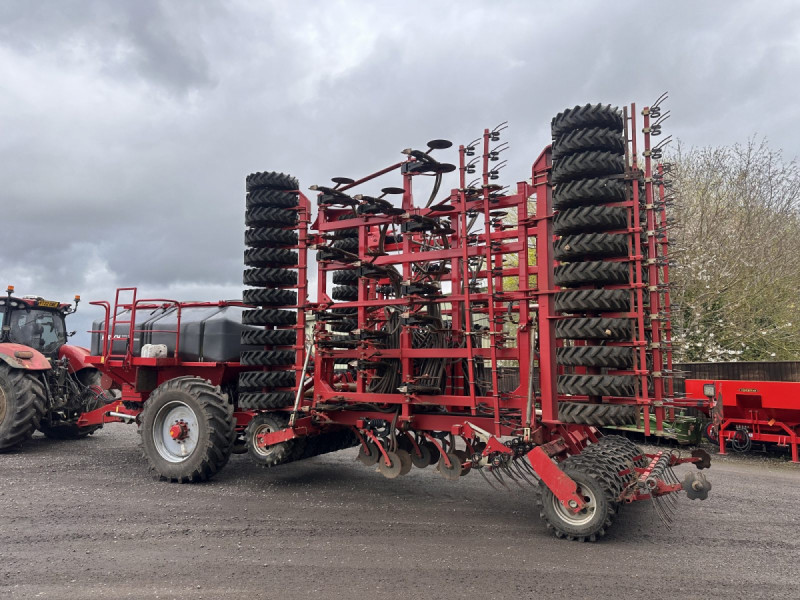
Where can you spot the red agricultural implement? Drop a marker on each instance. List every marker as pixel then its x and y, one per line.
pixel 746 408
pixel 483 329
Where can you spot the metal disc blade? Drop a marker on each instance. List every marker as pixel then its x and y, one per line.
pixel 392 190
pixel 445 168
pixel 439 144
pixel 342 180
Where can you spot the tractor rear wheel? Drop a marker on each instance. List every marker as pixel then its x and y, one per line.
pixel 187 430
pixel 22 402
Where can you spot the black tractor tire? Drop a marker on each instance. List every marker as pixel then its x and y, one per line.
pixel 265 400
pixel 590 245
pixel 349 244
pixel 613 357
pixel 591 273
pixel 269 257
pixel 268 277
pixel 589 115
pixel 269 297
pixel 349 277
pixel 587 192
pixel 211 430
pixel 574 301
pixel 268 358
pixel 273 198
pixel 623 386
pixel 590 524
pixel 265 216
pixel 276 454
pixel 256 380
pixel 92 398
pixel 22 402
pixel 590 219
pixel 276 337
pixel 345 293
pixel 269 316
pixel 594 328
pixel 587 164
pixel 271 180
pixel 351 232
pixel 344 325
pixel 597 415
pixel 269 237
pixel 591 138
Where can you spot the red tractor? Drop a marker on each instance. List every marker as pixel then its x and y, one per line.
pixel 45 383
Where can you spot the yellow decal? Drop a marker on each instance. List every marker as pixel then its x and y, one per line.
pixel 48 303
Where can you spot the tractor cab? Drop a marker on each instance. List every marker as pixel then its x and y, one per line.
pixel 34 322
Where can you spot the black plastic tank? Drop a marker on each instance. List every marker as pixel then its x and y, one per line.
pixel 208 333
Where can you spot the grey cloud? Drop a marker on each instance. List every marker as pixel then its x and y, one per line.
pixel 129 127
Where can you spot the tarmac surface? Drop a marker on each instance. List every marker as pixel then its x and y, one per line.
pixel 83 519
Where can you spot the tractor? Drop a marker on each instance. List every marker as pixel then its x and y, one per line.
pixel 45 383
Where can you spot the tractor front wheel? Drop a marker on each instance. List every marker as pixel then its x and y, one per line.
pixel 22 402
pixel 187 430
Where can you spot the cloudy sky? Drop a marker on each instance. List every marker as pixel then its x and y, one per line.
pixel 128 126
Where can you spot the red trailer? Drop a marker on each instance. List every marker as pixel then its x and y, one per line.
pixel 747 411
pixel 486 329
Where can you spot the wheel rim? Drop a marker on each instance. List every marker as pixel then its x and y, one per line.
pixel 582 517
pixel 262 429
pixel 170 449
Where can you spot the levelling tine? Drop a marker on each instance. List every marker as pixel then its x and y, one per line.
pixel 658 511
pixel 497 476
pixel 530 470
pixel 521 473
pixel 508 472
pixel 487 479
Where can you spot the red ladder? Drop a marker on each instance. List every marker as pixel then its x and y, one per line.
pixel 120 307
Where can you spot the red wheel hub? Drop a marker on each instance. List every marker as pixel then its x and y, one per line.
pixel 179 431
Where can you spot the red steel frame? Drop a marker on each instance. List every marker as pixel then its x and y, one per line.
pixel 497 413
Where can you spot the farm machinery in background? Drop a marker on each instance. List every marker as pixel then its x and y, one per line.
pixel 751 402
pixel 45 383
pixel 484 329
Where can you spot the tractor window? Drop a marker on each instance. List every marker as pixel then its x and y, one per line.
pixel 41 330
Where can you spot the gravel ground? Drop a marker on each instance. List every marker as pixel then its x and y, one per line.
pixel 83 520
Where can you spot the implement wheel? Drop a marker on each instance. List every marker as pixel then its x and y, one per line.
pixel 22 401
pixel 587 525
pixel 187 430
pixel 268 423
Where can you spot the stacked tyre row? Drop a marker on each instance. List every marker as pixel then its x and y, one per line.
pixel 270 262
pixel 344 248
pixel 588 163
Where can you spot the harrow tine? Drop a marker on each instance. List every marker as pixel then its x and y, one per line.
pixel 529 468
pixel 498 478
pixel 525 477
pixel 658 511
pixel 491 485
pixel 516 480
